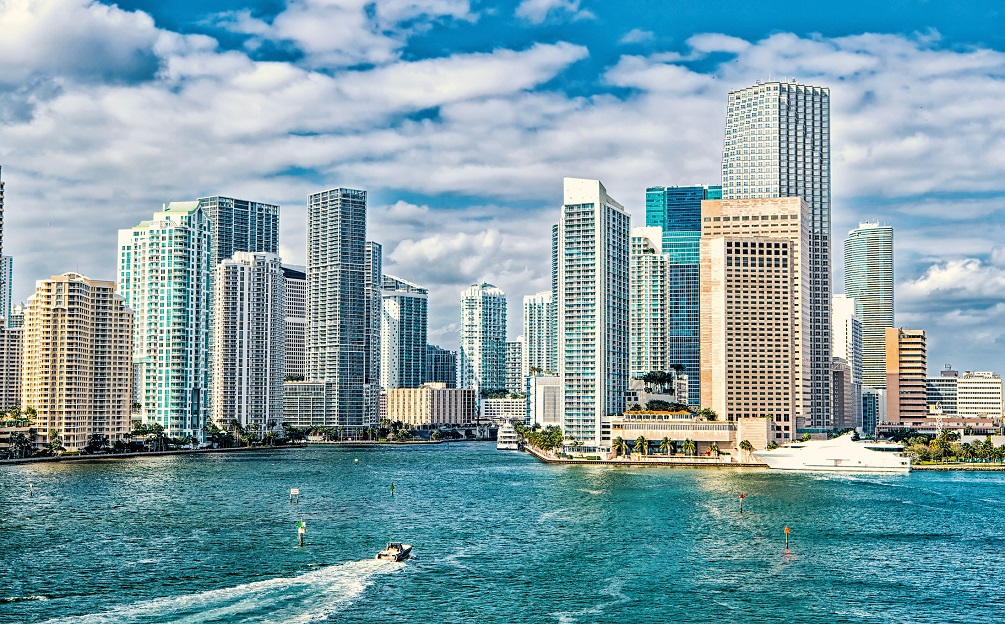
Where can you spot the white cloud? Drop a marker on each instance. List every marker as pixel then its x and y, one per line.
pixel 537 11
pixel 637 35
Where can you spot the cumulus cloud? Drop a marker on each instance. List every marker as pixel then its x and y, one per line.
pixel 334 34
pixel 637 35
pixel 537 11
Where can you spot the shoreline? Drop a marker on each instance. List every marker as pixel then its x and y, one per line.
pixel 71 458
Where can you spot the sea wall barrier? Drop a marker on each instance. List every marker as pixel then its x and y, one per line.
pixel 69 458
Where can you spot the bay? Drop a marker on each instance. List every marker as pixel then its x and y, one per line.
pixel 499 537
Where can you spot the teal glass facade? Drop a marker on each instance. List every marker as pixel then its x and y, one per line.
pixel 677 209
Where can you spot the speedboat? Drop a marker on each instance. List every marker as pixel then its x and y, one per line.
pixel 841 454
pixel 395 551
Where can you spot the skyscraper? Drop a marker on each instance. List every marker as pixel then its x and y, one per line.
pixel 483 338
pixel 1 210
pixel 648 301
pixel 336 277
pixel 677 210
pixel 777 144
pixel 240 225
pixel 540 349
pixel 847 349
pixel 403 331
pixel 10 365
pixel 906 366
pixel 296 320
pixel 6 280
pixel 77 368
pixel 441 366
pixel 868 278
pixel 591 248
pixel 249 351
pixel 372 304
pixel 754 311
pixel 515 372
pixel 164 275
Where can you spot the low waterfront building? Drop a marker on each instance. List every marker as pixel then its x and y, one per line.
pixel 940 392
pixel 431 404
pixel 499 411
pixel 681 426
pixel 927 425
pixel 979 395
pixel 305 404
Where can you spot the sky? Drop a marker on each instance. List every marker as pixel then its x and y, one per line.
pixel 460 118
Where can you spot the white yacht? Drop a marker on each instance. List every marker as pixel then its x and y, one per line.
pixel 507 439
pixel 840 454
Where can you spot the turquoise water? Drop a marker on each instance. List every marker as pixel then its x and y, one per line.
pixel 499 538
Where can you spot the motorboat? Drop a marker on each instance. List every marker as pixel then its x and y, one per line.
pixel 844 453
pixel 395 551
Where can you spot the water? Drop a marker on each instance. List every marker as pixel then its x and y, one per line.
pixel 499 538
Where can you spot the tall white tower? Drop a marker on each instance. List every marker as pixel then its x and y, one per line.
pixel 403 330
pixel 591 250
pixel 778 145
pixel 868 278
pixel 482 360
pixel 649 299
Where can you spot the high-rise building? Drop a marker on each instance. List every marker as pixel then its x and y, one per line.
pixel 10 365
pixel 337 266
pixel 77 369
pixel 240 225
pixel 941 391
pixel 847 348
pixel 483 338
pixel 980 394
pixel 873 409
pixel 441 366
pixel 677 210
pixel 295 338
pixel 373 303
pixel 6 280
pixel 16 315
pixel 164 275
pixel 777 144
pixel 592 250
pixel 249 350
pixel 403 331
pixel 847 399
pixel 1 211
pixel 906 364
pixel 515 372
pixel 540 349
pixel 868 278
pixel 755 296
pixel 648 300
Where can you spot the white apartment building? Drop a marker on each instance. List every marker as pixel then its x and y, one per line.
pixel 648 302
pixel 249 350
pixel 544 400
pixel 500 411
pixel 77 367
pixel 777 144
pixel 431 404
pixel 515 372
pixel 165 276
pixel 591 250
pixel 403 333
pixel 540 348
pixel 482 358
pixel 979 394
pixel 10 365
pixel 295 335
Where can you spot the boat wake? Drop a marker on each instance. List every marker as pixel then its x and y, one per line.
pixel 314 596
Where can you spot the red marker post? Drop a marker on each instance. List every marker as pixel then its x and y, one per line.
pixel 741 502
pixel 787 531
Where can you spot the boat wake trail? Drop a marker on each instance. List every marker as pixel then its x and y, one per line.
pixel 314 596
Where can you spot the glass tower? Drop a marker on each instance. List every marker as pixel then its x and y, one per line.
pixel 777 144
pixel 868 279
pixel 403 330
pixel 677 209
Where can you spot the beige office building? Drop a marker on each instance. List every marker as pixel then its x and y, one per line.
pixel 431 404
pixel 77 370
pixel 10 365
pixel 906 372
pixel 754 304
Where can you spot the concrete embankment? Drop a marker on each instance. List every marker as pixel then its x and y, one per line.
pixel 69 458
pixel 652 462
pixel 958 467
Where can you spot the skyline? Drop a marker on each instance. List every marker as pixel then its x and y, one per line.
pixel 122 112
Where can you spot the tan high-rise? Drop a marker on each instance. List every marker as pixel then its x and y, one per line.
pixel 78 359
pixel 906 371
pixel 755 293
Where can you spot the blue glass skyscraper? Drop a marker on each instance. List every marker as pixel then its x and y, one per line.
pixel 677 209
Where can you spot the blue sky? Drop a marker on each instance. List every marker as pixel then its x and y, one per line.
pixel 461 117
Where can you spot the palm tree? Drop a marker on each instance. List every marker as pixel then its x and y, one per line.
pixel 617 445
pixel 665 446
pixel 747 448
pixel 714 449
pixel 689 446
pixel 706 413
pixel 641 445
